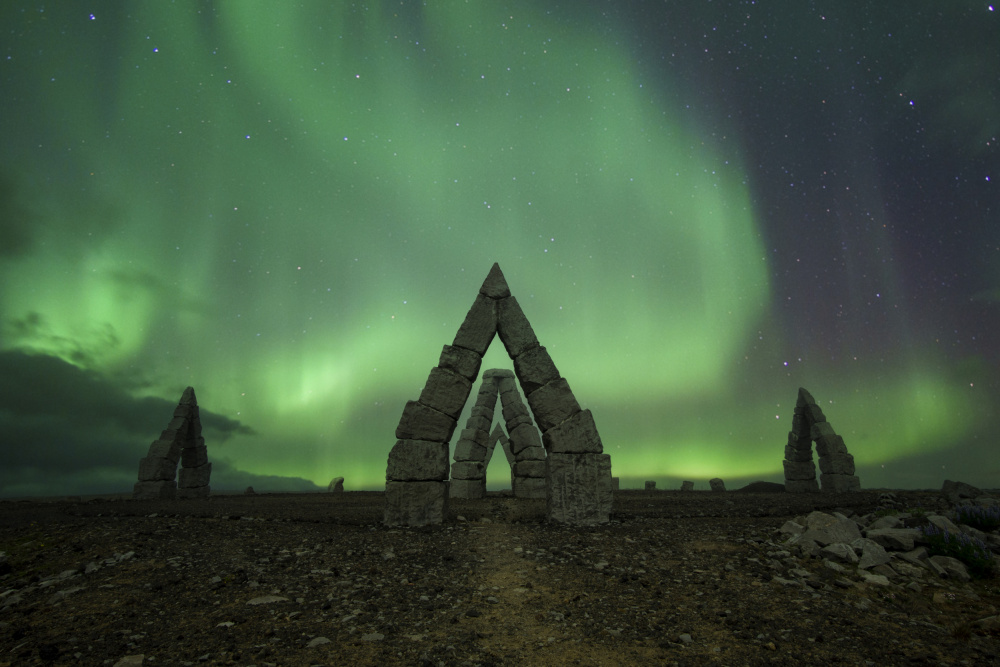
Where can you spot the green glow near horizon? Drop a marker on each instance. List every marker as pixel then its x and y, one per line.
pixel 306 202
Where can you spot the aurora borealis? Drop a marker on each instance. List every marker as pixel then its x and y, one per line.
pixel 700 207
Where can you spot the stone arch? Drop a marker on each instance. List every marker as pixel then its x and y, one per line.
pixel 523 448
pixel 836 465
pixel 577 473
pixel 180 442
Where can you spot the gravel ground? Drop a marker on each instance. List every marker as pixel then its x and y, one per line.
pixel 675 578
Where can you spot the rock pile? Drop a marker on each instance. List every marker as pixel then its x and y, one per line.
pixel 888 548
pixel 836 465
pixel 578 473
pixel 475 446
pixel 180 441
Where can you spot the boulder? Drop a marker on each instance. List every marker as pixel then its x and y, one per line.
pixel 717 484
pixel 650 485
pixel 686 486
pixel 336 485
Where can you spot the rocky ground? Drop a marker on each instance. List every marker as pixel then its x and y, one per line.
pixel 694 578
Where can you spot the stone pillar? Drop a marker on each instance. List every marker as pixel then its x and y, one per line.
pixel 650 485
pixel 716 484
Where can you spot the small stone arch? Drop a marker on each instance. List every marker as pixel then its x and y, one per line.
pixel 523 448
pixel 836 465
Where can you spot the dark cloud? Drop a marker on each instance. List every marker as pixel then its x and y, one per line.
pixel 66 427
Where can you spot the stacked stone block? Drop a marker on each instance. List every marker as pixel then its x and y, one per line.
pixel 180 442
pixel 809 425
pixel 576 488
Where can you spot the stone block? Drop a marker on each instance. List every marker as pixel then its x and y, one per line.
pixel 497 374
pixel 505 384
pixel 801 486
pixel 153 468
pixel 716 484
pixel 576 435
pixel 528 487
pixel 513 328
pixel 486 398
pixel 650 485
pixel 799 470
pixel 417 461
pixel 615 484
pixel 814 414
pixel 837 464
pixel 530 454
pixel 479 327
pixel 522 437
pixel 415 503
pixel 336 485
pixel 797 455
pixel 552 404
pixel 529 468
pixel 192 457
pixel 579 488
pixel 446 391
pixel 520 420
pixel 468 488
pixel 462 361
pixel 467 450
pixel 155 490
pixel 468 470
pixel 165 449
pixel 495 285
pixel 188 478
pixel 830 445
pixel 839 483
pixel 513 408
pixel 535 368
pixel 420 422
pixel 478 423
pixel 687 486
pixel 194 492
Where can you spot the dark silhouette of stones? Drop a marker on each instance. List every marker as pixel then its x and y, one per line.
pixel 577 486
pixel 716 484
pixel 836 465
pixel 687 486
pixel 181 442
pixel 650 485
pixel 336 485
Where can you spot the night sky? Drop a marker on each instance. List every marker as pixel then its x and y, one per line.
pixel 700 206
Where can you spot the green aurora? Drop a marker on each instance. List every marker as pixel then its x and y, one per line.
pixel 291 207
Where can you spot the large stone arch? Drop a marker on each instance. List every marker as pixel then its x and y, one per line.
pixel 577 472
pixel 836 465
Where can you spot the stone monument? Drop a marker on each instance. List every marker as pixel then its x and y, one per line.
pixel 836 465
pixel 577 471
pixel 180 441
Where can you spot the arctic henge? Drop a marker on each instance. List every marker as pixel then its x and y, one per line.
pixel 577 471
